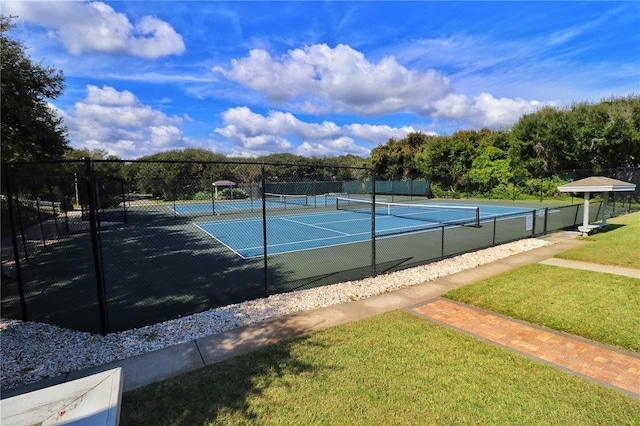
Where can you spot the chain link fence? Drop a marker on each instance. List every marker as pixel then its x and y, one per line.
pixel 104 246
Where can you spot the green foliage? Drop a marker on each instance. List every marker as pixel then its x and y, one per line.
pixel 178 174
pixel 30 128
pixel 396 160
pixel 28 214
pixel 522 162
pixel 232 193
pixel 202 196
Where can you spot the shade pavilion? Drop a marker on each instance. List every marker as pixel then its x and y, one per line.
pixel 597 184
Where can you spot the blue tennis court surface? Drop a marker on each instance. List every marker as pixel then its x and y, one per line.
pixel 288 233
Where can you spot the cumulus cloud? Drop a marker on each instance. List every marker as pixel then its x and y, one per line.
pixel 503 111
pixel 319 80
pixel 96 27
pixel 254 134
pixel 376 134
pixel 117 122
pixel 341 77
pixel 328 148
pixel 484 110
pixel 120 124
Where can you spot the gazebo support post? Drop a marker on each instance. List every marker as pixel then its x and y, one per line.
pixel 585 212
pixel 605 201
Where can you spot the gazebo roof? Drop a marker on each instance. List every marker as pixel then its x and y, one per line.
pixel 597 184
pixel 224 183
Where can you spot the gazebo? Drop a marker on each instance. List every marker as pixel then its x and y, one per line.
pixel 222 184
pixel 596 184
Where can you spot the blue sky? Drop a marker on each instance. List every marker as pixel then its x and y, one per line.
pixel 319 78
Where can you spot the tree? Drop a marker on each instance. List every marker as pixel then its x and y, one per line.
pixel 179 174
pixel 30 128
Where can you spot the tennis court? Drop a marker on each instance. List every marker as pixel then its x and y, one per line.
pixel 350 223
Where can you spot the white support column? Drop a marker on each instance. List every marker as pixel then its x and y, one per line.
pixel 585 213
pixel 605 208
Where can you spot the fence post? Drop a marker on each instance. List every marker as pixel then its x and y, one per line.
pixel 533 224
pixel 53 207
pixel 264 232
pixel 14 240
pixel 495 224
pixel 124 201
pixel 44 239
pixel 373 223
pixel 95 243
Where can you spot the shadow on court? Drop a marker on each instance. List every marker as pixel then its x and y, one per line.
pixel 156 268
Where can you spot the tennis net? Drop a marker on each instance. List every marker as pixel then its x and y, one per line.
pixel 292 199
pixel 447 215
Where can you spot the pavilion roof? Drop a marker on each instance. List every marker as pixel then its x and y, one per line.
pixel 597 184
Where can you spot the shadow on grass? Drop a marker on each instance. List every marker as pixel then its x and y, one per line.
pixel 610 227
pixel 219 392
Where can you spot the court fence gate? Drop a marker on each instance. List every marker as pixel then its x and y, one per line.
pixel 109 245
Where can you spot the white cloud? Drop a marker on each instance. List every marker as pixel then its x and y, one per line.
pixel 117 122
pixel 332 147
pixel 379 134
pixel 276 122
pixel 255 134
pixel 96 27
pixel 341 78
pixel 484 110
pixel 503 112
pixel 319 80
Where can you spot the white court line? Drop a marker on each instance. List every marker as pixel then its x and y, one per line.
pixel 221 242
pixel 316 226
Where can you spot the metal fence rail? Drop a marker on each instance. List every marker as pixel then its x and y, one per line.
pixel 105 246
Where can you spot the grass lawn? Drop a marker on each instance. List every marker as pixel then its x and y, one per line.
pixel 597 306
pixel 398 368
pixel 618 246
pixel 395 368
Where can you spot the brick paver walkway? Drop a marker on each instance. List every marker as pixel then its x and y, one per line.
pixel 597 362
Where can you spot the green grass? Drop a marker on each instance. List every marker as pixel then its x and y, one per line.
pixel 396 368
pixel 601 307
pixel 29 215
pixel 618 246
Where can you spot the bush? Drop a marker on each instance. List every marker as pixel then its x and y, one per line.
pixel 232 193
pixel 202 196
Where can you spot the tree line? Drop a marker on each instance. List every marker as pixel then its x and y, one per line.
pixel 598 136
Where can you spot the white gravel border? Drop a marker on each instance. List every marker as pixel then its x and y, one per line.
pixel 34 351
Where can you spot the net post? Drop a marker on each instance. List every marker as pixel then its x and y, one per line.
pixel 477 217
pixel 213 203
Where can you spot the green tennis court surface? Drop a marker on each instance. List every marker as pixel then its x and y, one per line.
pixel 289 233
